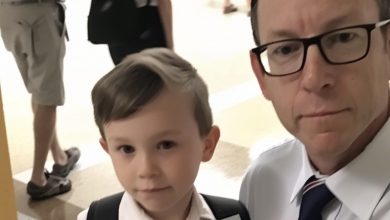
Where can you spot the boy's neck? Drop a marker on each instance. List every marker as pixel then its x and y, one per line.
pixel 180 212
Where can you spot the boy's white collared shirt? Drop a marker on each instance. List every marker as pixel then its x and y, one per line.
pixel 128 209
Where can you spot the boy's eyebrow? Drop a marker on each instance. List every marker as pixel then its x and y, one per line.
pixel 156 135
pixel 167 132
pixel 118 139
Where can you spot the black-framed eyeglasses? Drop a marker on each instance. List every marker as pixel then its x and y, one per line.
pixel 339 46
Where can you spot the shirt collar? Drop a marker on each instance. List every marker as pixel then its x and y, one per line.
pixel 199 209
pixel 306 172
pixel 129 209
pixel 367 175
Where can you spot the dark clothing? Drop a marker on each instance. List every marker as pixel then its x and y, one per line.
pixel 150 32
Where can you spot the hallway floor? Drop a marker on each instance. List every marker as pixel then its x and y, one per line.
pixel 216 44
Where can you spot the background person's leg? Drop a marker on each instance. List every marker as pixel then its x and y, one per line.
pixel 43 127
pixel 59 156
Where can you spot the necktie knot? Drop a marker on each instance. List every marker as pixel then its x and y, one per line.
pixel 314 198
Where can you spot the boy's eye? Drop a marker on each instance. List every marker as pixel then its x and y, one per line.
pixel 127 149
pixel 166 145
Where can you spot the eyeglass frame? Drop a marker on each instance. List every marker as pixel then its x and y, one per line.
pixel 317 41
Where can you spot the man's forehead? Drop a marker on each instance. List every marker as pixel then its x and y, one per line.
pixel 307 17
pixel 319 8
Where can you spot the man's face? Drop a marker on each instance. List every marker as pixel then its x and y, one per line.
pixel 156 152
pixel 333 109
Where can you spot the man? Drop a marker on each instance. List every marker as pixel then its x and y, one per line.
pixel 325 66
pixel 34 31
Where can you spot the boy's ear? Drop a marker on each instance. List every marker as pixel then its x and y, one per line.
pixel 104 145
pixel 210 143
pixel 260 76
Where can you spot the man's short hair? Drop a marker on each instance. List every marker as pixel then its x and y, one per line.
pixel 384 13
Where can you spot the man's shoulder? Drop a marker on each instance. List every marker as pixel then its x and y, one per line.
pixel 281 157
pixel 282 150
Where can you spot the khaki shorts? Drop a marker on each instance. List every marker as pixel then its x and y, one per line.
pixel 34 34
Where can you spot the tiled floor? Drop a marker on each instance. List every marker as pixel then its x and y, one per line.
pixel 216 44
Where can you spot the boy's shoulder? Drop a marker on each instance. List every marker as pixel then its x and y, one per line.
pixel 105 208
pixel 225 208
pixel 222 208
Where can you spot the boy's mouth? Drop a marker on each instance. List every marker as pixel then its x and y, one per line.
pixel 153 190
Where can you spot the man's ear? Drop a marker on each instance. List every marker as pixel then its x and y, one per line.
pixel 104 145
pixel 260 75
pixel 210 143
pixel 387 48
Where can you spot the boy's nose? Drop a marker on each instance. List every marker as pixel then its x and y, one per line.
pixel 147 167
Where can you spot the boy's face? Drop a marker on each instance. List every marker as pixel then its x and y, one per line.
pixel 156 152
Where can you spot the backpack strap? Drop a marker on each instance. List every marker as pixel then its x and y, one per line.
pixel 224 207
pixel 105 208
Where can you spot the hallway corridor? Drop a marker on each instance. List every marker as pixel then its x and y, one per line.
pixel 216 44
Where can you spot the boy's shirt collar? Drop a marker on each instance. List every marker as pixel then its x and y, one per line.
pixel 129 209
pixel 199 208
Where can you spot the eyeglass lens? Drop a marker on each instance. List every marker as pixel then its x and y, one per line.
pixel 337 47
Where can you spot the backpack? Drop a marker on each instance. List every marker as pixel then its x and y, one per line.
pixel 112 21
pixel 222 208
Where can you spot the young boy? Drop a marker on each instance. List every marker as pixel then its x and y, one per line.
pixel 153 114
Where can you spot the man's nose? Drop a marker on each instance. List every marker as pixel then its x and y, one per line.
pixel 316 71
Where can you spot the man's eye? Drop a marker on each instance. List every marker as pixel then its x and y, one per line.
pixel 341 38
pixel 127 149
pixel 166 145
pixel 345 37
pixel 286 49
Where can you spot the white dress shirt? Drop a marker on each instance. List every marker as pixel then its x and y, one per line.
pixel 129 210
pixel 272 187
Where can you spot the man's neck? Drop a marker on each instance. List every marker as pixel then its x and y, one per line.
pixel 331 164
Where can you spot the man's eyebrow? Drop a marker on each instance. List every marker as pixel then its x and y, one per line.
pixel 289 34
pixel 336 22
pixel 283 34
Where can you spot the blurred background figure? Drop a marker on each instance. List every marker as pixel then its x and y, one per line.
pixel 228 7
pixel 154 29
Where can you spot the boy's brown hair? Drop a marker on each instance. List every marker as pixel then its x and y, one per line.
pixel 141 77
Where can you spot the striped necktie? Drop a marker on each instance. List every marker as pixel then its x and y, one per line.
pixel 315 196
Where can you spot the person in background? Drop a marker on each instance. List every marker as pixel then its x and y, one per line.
pixel 154 30
pixel 325 66
pixel 34 32
pixel 228 7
